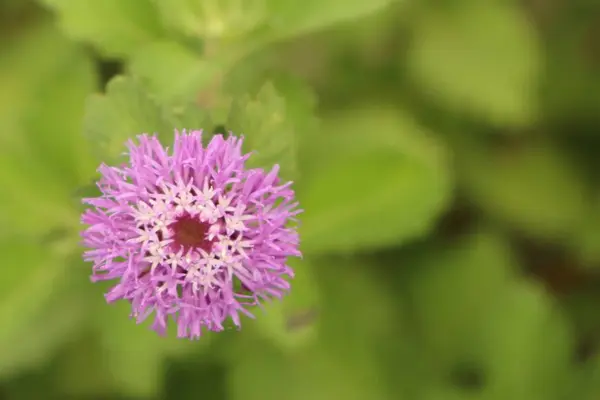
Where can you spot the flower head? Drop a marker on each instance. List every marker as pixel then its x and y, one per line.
pixel 191 234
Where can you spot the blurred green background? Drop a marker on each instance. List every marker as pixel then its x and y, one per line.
pixel 445 153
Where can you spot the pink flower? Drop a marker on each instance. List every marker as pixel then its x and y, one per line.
pixel 191 233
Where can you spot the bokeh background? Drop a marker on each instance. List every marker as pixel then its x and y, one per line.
pixel 448 158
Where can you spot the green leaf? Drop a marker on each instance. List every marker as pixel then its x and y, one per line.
pixel 291 322
pixel 453 290
pixel 125 111
pixel 212 19
pixel 80 370
pixel 60 319
pixel 586 382
pixel 42 150
pixel 128 110
pixel 534 188
pixel 261 373
pixel 300 99
pixel 120 337
pixel 448 392
pixel 472 307
pixel 374 178
pixel 584 241
pixel 53 117
pixel 193 117
pixel 523 361
pixel 570 53
pixel 36 303
pixel 186 378
pixel 357 310
pixel 291 18
pixel 356 315
pixel 115 27
pixel 268 131
pixel 482 58
pixel 174 72
pixel 22 185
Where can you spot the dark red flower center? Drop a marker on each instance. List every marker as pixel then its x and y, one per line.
pixel 190 233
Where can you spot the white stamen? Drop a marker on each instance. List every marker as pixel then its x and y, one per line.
pixel 203 268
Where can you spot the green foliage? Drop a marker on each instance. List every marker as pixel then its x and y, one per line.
pixel 519 185
pixel 451 302
pixel 38 170
pixel 120 337
pixel 571 53
pixel 171 70
pixel 115 27
pixel 475 310
pixel 313 374
pixel 524 362
pixel 127 110
pixel 21 207
pixel 266 129
pixel 108 346
pixel 587 385
pixel 292 322
pixel 585 240
pixel 340 363
pixel 35 104
pixel 443 153
pixel 290 18
pixel 481 58
pixel 383 180
pixel 212 19
pixel 37 315
pixel 124 111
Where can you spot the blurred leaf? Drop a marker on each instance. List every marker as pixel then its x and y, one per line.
pixel 357 311
pixel 375 179
pixel 300 100
pixel 454 288
pixel 585 241
pixel 261 373
pixel 448 392
pixel 81 370
pixel 581 308
pixel 570 89
pixel 174 72
pixel 290 18
pixel 12 8
pixel 472 307
pixel 356 315
pixel 187 378
pixel 480 57
pixel 193 117
pixel 528 346
pixel 24 182
pixel 116 27
pixel 53 117
pixel 291 322
pixel 586 383
pixel 36 303
pixel 128 110
pixel 534 188
pixel 125 111
pixel 212 19
pixel 120 337
pixel 268 131
pixel 39 341
pixel 42 151
pixel 140 375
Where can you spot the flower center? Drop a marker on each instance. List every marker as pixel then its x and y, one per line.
pixel 190 233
